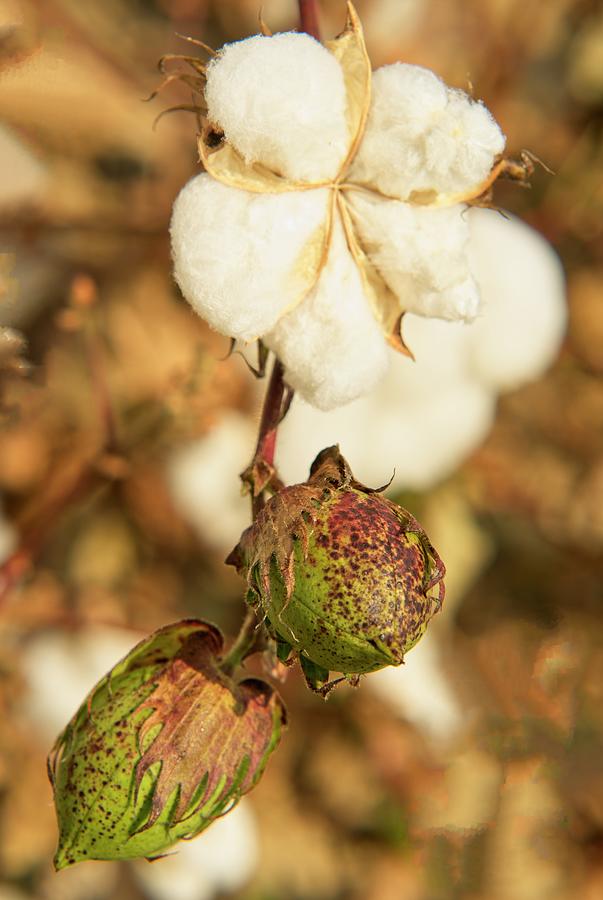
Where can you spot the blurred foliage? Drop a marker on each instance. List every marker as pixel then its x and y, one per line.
pixel 105 371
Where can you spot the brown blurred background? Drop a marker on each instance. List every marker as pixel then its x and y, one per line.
pixel 105 372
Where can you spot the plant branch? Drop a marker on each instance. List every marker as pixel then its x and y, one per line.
pixel 308 16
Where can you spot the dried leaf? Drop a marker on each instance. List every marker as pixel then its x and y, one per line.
pixel 349 50
pixel 384 303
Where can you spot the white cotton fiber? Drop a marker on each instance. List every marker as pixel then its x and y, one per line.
pixel 281 101
pixel 422 254
pixel 405 101
pixel 462 145
pixel 235 253
pixel 204 481
pixel 423 136
pixel 420 422
pixel 525 312
pixel 331 345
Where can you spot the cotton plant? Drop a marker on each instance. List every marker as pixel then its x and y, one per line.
pixel 333 205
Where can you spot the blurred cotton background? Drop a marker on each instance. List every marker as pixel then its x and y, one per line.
pixel 474 771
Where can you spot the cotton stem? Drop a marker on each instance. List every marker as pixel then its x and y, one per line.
pixel 308 17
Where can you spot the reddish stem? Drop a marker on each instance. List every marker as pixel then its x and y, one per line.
pixel 308 18
pixel 271 414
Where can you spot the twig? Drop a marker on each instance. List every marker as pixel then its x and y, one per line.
pixel 308 18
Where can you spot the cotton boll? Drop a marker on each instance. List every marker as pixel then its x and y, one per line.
pixel 419 424
pixel 331 344
pixel 205 485
pixel 422 253
pixel 462 145
pixel 220 860
pixel 406 100
pixel 281 101
pixel 525 313
pixel 235 253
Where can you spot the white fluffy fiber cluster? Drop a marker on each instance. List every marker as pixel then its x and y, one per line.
pixel 281 102
pixel 424 136
pixel 239 256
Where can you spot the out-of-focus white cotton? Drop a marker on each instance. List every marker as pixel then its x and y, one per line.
pixel 419 691
pixel 60 668
pixel 281 102
pixel 220 860
pixel 525 311
pixel 235 253
pixel 205 485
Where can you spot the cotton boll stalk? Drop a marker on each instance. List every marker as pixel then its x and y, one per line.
pixel 422 254
pixel 204 481
pixel 429 415
pixel 525 312
pixel 238 257
pixel 281 102
pixel 221 861
pixel 331 344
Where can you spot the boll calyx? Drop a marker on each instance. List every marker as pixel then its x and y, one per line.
pixel 345 579
pixel 331 205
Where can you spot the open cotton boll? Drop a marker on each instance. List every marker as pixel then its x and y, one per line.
pixel 220 861
pixel 235 253
pixel 462 145
pixel 429 416
pixel 422 253
pixel 423 136
pixel 204 480
pixel 331 345
pixel 405 101
pixel 525 312
pixel 281 101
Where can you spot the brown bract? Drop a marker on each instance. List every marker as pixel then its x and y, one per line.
pixel 207 725
pixel 289 517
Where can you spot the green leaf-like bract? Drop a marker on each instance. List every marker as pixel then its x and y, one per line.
pixel 163 745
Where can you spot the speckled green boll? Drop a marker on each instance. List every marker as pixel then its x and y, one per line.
pixel 164 745
pixel 364 590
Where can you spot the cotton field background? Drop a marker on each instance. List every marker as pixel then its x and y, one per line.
pixel 474 770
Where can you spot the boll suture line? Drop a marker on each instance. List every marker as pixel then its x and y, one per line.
pixel 331 205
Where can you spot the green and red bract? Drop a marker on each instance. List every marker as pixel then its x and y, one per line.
pixel 164 744
pixel 346 578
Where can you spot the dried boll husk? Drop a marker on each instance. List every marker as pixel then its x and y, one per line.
pixel 345 578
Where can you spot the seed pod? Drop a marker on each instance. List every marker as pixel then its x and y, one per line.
pixel 346 578
pixel 164 744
